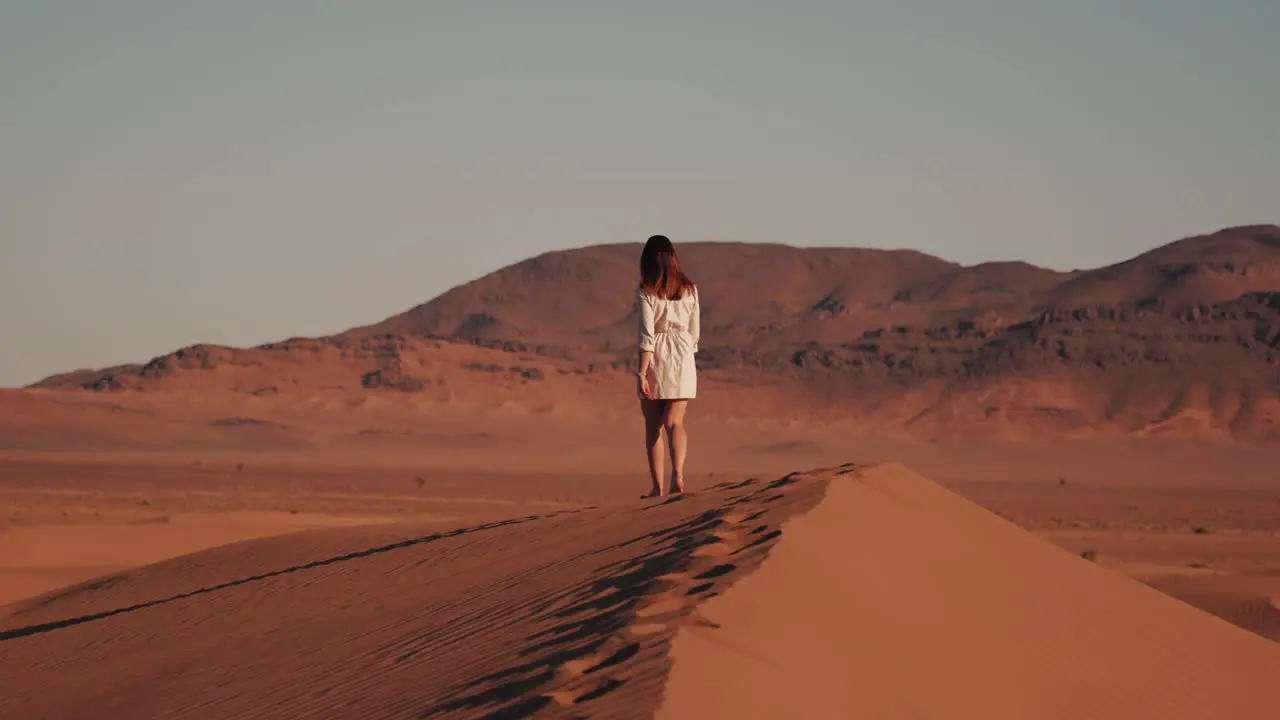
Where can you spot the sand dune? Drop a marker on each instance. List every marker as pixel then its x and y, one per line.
pixel 1252 602
pixel 46 556
pixel 816 595
pixel 895 598
pixel 565 609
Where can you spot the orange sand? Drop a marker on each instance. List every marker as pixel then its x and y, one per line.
pixel 822 594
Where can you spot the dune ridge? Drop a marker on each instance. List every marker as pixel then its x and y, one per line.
pixel 813 595
pixel 567 611
pixel 902 599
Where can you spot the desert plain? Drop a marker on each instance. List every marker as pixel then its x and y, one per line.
pixel 915 490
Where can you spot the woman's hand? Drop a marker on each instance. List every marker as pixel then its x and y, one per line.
pixel 645 390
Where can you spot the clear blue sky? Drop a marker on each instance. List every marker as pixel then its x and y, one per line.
pixel 238 172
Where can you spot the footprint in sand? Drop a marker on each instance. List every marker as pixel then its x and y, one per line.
pixel 597 661
pixel 714 550
pixel 583 678
pixel 644 630
pixel 583 685
pixel 663 606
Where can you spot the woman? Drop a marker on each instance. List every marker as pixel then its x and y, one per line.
pixel 669 325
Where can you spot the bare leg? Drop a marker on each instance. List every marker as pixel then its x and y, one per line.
pixel 653 413
pixel 673 421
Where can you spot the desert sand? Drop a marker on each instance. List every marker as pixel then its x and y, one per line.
pixel 828 593
pixel 437 515
pixel 903 600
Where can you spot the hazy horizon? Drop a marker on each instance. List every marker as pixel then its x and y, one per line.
pixel 234 173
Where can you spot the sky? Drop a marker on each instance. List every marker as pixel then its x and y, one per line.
pixel 240 172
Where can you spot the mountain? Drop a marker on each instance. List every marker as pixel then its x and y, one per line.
pixel 1196 271
pixel 1184 338
pixel 752 293
pixel 761 296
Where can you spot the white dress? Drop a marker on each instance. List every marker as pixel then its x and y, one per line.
pixel 670 329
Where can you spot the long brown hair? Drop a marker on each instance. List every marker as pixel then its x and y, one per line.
pixel 660 271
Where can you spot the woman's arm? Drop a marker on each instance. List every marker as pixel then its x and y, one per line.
pixel 695 322
pixel 644 332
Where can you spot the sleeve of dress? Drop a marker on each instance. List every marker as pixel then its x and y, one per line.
pixel 695 321
pixel 644 321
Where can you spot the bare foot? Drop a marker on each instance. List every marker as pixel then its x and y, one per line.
pixel 677 486
pixel 651 494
